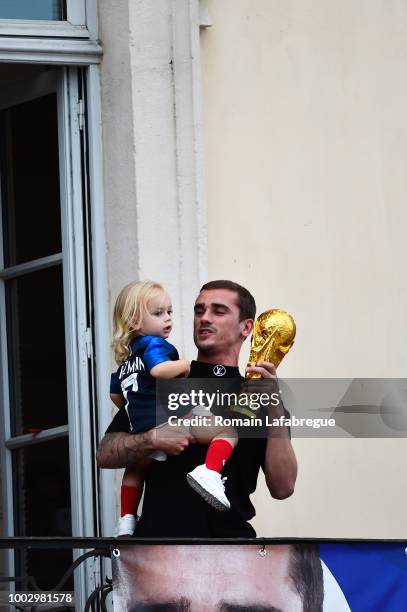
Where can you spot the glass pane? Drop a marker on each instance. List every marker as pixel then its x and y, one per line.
pixel 36 343
pixel 29 175
pixel 33 9
pixel 41 489
pixel 42 507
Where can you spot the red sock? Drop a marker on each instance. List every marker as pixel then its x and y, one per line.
pixel 218 453
pixel 130 498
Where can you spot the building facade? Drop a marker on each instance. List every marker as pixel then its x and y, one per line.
pixel 183 140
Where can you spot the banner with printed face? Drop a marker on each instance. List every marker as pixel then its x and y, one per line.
pixel 371 576
pixel 297 577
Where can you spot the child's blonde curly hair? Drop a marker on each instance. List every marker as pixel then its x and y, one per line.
pixel 130 306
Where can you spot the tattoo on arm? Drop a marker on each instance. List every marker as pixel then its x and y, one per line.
pixel 117 450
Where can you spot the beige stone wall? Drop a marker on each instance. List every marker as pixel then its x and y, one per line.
pixel 305 153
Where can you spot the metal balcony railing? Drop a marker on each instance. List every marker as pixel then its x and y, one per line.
pixel 96 601
pixel 105 547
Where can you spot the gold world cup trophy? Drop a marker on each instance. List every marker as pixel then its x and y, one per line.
pixel 273 336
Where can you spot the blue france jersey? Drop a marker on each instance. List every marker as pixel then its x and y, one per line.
pixel 134 381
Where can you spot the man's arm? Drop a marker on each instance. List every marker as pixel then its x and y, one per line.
pixel 119 449
pixel 280 465
pixel 117 399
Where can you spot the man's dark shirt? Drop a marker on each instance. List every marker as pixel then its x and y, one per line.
pixel 172 509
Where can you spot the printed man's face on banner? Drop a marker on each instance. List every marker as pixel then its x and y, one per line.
pixel 225 578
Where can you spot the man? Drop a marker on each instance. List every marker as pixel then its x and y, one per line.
pixel 220 578
pixel 223 319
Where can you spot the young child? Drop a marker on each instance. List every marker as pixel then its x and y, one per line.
pixel 142 320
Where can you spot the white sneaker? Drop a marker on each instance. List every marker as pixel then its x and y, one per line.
pixel 210 485
pixel 126 525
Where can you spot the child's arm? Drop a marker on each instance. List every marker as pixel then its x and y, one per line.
pixel 117 399
pixel 171 369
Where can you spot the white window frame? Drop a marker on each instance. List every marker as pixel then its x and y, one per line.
pixel 79 12
pixel 78 336
pixel 66 43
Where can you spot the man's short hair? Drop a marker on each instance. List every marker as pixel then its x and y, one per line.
pixel 306 575
pixel 245 300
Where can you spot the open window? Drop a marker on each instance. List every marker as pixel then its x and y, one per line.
pixel 47 401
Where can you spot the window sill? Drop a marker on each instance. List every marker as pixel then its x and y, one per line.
pixel 63 51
